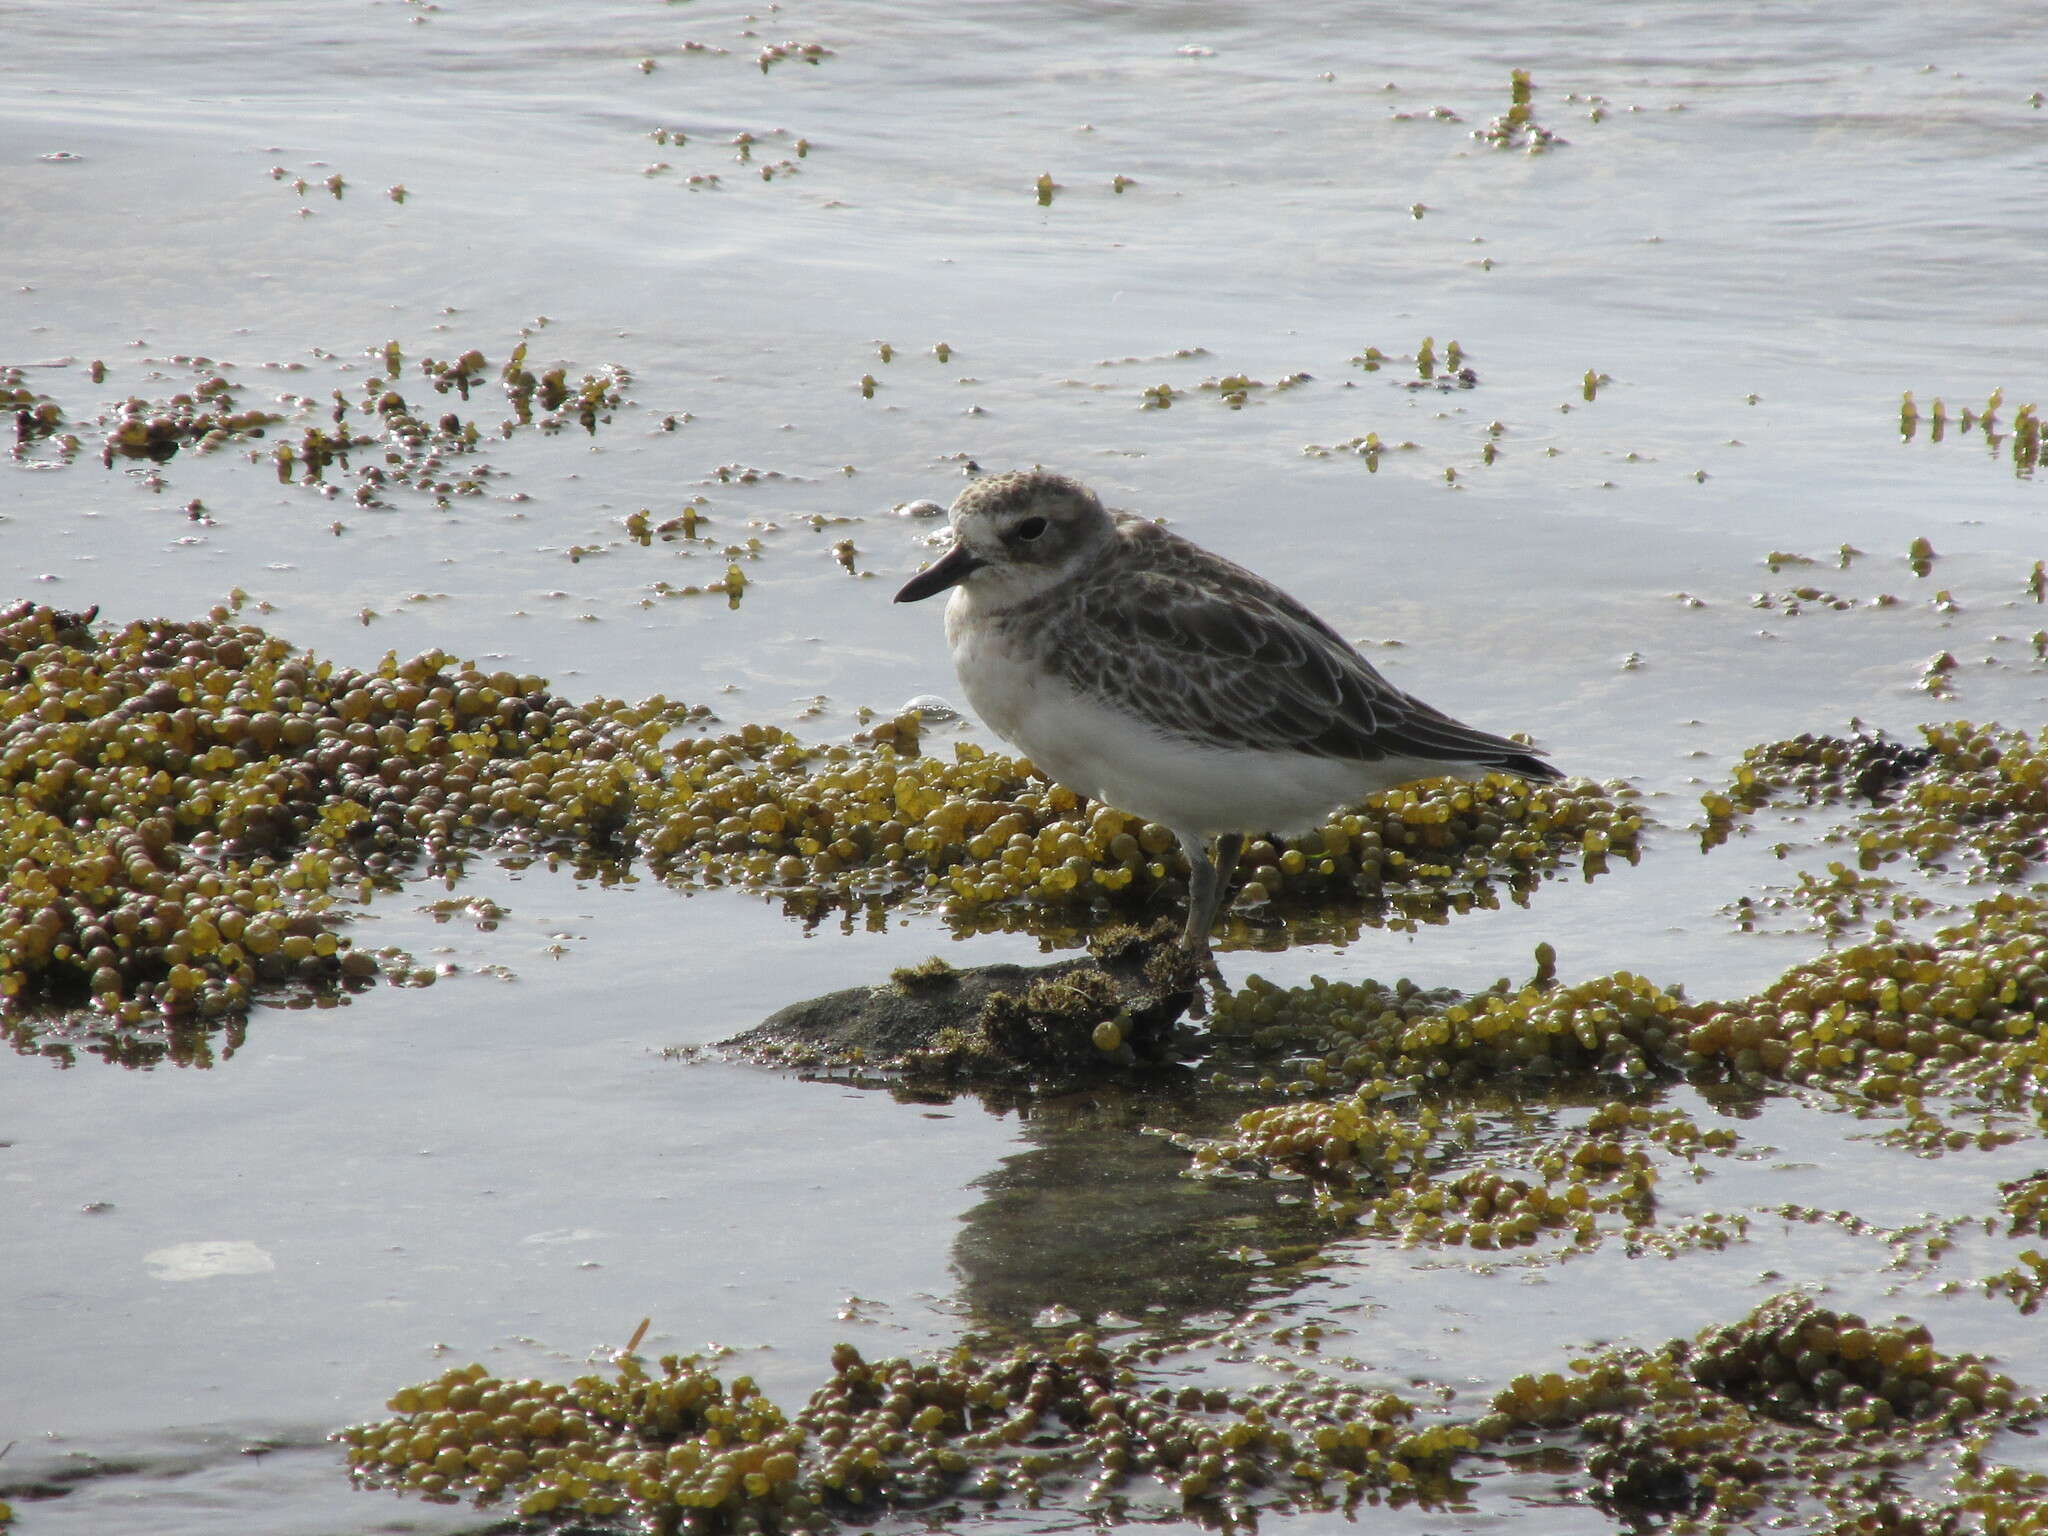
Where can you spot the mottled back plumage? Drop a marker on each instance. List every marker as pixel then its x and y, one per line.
pixel 1199 647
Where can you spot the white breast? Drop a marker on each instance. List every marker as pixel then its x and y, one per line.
pixel 1001 684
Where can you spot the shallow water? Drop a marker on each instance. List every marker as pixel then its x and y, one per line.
pixel 1778 224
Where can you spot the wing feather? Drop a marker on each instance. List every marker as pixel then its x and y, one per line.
pixel 1201 648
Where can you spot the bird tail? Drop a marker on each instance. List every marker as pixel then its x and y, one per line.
pixel 1527 764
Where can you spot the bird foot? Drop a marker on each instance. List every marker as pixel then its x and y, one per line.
pixel 1201 976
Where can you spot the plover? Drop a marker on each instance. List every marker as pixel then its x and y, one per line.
pixel 1140 670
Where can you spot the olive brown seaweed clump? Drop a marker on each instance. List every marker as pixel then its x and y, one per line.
pixel 1411 1177
pixel 1792 1360
pixel 1819 770
pixel 38 419
pixel 1946 1037
pixel 841 826
pixel 1792 1407
pixel 1366 1033
pixel 1889 1017
pixel 205 417
pixel 1976 794
pixel 186 802
pixel 680 1451
pixel 1896 1016
pixel 418 444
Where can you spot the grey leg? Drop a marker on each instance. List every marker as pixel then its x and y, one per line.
pixel 1201 895
pixel 1208 885
pixel 1228 847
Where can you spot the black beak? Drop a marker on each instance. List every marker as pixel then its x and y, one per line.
pixel 949 570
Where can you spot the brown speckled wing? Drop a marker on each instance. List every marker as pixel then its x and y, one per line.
pixel 1203 649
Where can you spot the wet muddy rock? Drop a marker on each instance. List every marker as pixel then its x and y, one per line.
pixel 1116 1008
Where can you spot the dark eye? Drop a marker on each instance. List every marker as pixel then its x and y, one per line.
pixel 1030 528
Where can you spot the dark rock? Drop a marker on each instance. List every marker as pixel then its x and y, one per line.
pixel 999 1023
